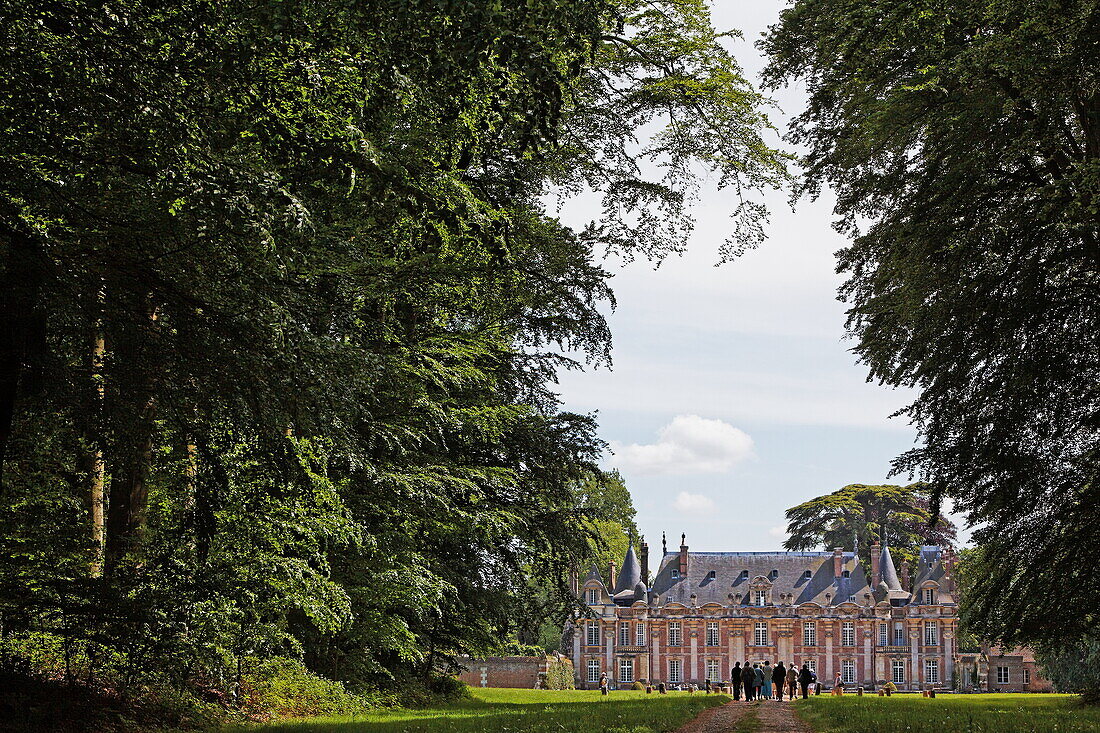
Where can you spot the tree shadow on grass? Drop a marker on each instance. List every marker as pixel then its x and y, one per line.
pixel 486 717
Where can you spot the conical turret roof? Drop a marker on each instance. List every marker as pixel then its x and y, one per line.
pixel 630 574
pixel 889 572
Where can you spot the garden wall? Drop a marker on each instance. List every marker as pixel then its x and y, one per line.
pixel 552 672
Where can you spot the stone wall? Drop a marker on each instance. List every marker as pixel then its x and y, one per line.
pixel 523 672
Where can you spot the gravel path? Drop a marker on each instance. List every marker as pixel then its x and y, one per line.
pixel 779 717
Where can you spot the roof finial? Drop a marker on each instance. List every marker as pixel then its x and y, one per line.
pixel 664 544
pixel 683 538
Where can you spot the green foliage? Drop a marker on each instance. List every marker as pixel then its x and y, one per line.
pixel 1073 666
pixel 560 674
pixel 993 713
pixel 284 688
pixel 279 280
pixel 897 515
pixel 962 141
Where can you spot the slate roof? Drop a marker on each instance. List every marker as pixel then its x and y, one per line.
pixel 889 572
pixel 630 574
pixel 930 565
pixel 785 570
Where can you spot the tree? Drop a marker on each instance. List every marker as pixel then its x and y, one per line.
pixel 963 143
pixel 896 515
pixel 1073 665
pixel 279 282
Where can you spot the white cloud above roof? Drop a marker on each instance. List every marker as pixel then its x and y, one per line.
pixel 689 503
pixel 688 444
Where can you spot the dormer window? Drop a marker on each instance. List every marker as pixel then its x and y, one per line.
pixel 593 596
pixel 760 597
pixel 847 574
pixel 929 598
pixel 773 575
pixel 675 574
pixel 808 574
pixel 744 575
pixel 711 575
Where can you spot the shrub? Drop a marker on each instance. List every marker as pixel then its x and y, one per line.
pixel 559 673
pixel 282 687
pixel 637 686
pixel 1073 666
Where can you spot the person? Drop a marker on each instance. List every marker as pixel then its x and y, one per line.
pixel 805 677
pixel 603 683
pixel 707 683
pixel 735 680
pixel 759 673
pixel 661 688
pixel 838 685
pixel 779 677
pixel 792 681
pixel 768 672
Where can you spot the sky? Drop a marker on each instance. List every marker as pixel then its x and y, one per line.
pixel 734 394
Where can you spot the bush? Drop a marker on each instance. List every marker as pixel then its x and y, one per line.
pixel 1073 666
pixel 282 687
pixel 559 673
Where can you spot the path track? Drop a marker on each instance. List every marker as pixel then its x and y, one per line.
pixel 773 717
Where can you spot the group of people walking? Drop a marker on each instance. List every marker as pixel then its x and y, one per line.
pixel 765 682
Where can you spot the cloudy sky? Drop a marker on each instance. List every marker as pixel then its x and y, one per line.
pixel 734 394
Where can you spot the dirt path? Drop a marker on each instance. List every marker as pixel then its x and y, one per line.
pixel 722 719
pixel 769 717
pixel 779 717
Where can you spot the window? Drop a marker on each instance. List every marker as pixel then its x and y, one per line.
pixel 674 636
pixel 931 633
pixel 593 670
pixel 760 598
pixel 744 575
pixel 929 596
pixel 624 633
pixel 932 671
pixel 626 670
pixel 1002 675
pixel 897 671
pixel 807 575
pixel 760 638
pixel 712 671
pixel 593 596
pixel 639 634
pixel 811 664
pixel 712 634
pixel 668 599
pixel 593 634
pixel 675 670
pixel 848 671
pixel 809 633
pixel 899 635
pixel 1027 676
pixel 675 574
pixel 848 633
pixel 846 574
pixel 851 599
pixel 710 575
pixel 883 635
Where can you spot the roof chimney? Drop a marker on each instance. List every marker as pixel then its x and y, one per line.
pixel 574 582
pixel 611 577
pixel 838 561
pixel 905 576
pixel 683 555
pixel 645 563
pixel 876 564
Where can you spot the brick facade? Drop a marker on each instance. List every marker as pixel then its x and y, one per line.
pixel 523 672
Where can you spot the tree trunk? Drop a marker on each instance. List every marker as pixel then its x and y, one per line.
pixel 98 466
pixel 129 489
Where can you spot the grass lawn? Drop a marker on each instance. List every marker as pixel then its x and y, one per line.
pixel 994 713
pixel 523 711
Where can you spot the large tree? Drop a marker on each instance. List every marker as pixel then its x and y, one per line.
pixel 962 140
pixel 279 291
pixel 897 515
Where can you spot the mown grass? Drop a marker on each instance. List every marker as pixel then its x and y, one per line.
pixel 492 710
pixel 995 713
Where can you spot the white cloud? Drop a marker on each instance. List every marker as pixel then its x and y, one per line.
pixel 693 503
pixel 688 444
